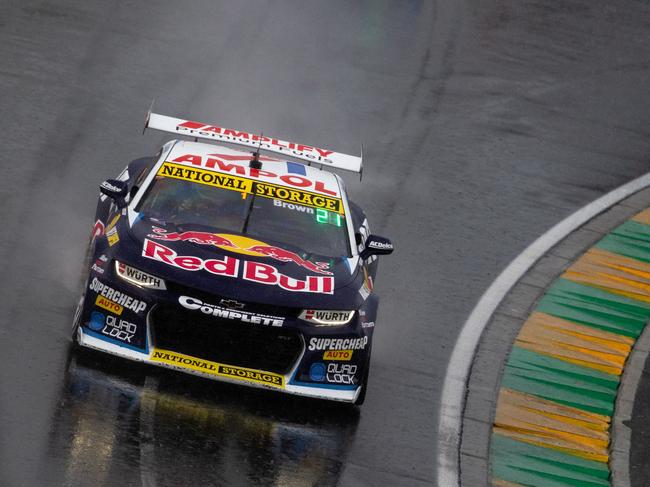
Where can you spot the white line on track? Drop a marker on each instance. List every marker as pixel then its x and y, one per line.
pixel 453 390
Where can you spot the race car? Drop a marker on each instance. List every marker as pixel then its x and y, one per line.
pixel 234 265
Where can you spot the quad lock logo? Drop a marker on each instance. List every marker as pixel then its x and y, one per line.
pixel 112 326
pixel 333 373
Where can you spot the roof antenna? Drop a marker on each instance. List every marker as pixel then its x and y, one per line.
pixel 255 161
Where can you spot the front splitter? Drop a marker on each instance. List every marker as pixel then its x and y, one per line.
pixel 313 391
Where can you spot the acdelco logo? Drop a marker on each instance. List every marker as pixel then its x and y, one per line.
pixel 380 245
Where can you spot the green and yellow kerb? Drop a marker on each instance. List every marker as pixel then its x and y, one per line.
pixel 559 385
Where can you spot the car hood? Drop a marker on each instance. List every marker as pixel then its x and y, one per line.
pixel 241 266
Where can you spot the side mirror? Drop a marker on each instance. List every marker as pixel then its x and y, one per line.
pixel 116 190
pixel 376 245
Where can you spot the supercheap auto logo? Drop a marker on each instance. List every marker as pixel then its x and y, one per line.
pixel 342 355
pixel 115 301
pixel 213 368
pixel 343 344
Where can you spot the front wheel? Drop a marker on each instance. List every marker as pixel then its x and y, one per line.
pixel 84 277
pixel 76 320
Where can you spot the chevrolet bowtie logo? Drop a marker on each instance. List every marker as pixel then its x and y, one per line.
pixel 231 304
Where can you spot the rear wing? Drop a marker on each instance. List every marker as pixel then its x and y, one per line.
pixel 290 149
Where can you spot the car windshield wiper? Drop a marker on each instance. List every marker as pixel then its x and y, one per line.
pixel 253 164
pixel 249 210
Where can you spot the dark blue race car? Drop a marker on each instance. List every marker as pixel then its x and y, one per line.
pixel 234 266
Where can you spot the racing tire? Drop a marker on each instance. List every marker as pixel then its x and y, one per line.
pixel 76 320
pixel 364 383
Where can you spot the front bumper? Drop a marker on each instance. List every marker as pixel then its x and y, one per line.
pixel 326 363
pixel 213 370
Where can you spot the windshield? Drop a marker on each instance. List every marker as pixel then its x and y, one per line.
pixel 181 202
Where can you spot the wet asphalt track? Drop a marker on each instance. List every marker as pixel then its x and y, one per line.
pixel 483 123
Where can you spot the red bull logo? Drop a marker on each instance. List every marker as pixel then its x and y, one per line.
pixel 241 245
pixel 283 255
pixel 232 267
pixel 202 238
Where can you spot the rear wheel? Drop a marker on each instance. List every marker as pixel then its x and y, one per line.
pixel 364 383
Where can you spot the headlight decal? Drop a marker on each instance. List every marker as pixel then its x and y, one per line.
pixel 138 277
pixel 327 317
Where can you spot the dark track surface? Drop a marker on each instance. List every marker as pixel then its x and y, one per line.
pixel 484 123
pixel 640 425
